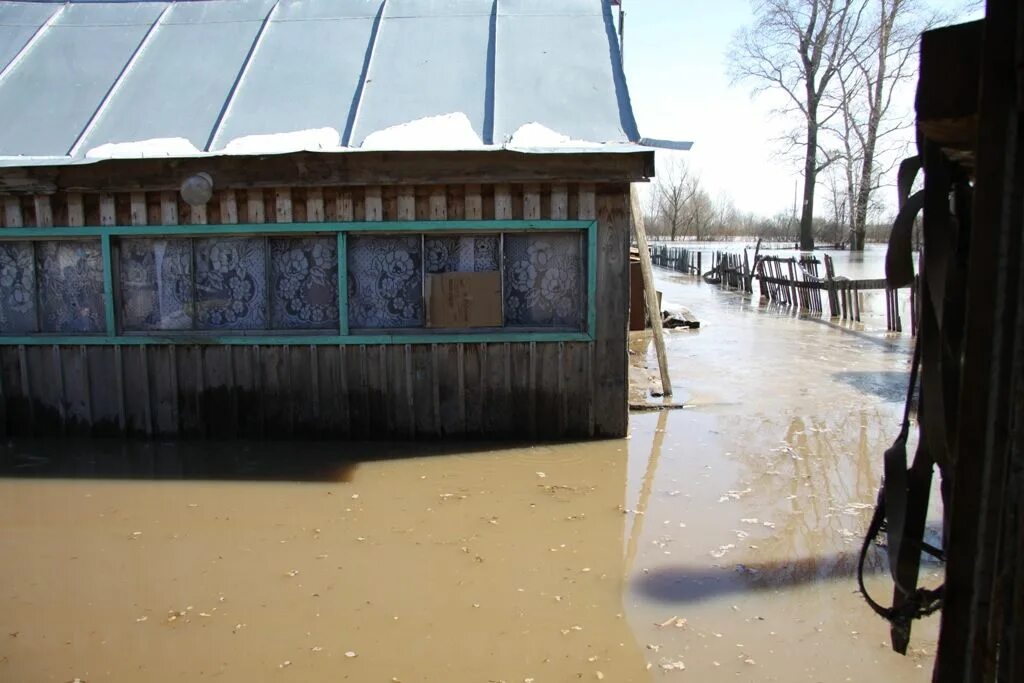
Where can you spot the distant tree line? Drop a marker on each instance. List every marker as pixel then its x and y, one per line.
pixel 680 208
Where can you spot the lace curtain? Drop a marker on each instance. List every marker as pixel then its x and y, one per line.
pixel 277 283
pixel 461 253
pixel 231 283
pixel 70 286
pixel 385 281
pixel 304 282
pixel 544 283
pixel 156 284
pixel 17 288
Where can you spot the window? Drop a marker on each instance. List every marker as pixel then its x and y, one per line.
pixel 51 286
pixel 385 281
pixel 544 284
pixel 228 283
pixel 543 276
pixel 211 280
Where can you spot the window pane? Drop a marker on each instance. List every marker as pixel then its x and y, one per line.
pixel 231 283
pixel 461 253
pixel 70 286
pixel 304 280
pixel 156 284
pixel 17 288
pixel 544 282
pixel 385 281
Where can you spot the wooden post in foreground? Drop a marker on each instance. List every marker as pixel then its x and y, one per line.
pixel 650 295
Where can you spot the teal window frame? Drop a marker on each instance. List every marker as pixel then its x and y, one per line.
pixel 341 230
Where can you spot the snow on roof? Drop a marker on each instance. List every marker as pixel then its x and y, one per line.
pixel 87 80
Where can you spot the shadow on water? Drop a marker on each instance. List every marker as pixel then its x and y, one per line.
pixel 311 461
pixel 688 584
pixel 888 385
pixel 882 342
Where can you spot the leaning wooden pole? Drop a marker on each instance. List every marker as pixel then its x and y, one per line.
pixel 650 295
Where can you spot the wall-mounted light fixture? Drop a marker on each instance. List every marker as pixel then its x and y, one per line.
pixel 197 189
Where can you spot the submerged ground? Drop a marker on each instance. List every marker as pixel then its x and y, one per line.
pixel 716 543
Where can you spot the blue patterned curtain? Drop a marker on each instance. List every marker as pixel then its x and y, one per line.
pixel 70 281
pixel 461 253
pixel 544 282
pixel 385 281
pixel 17 288
pixel 231 283
pixel 304 283
pixel 156 284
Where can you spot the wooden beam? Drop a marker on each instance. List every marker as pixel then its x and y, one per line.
pixel 311 169
pixel 256 207
pixel 283 202
pixel 438 203
pixel 169 208
pixel 44 211
pixel 228 207
pixel 315 205
pixel 587 201
pixel 502 202
pixel 139 210
pixel 12 212
pixel 531 201
pixel 345 206
pixel 108 210
pixel 650 295
pixel 559 202
pixel 373 204
pixel 407 204
pixel 76 209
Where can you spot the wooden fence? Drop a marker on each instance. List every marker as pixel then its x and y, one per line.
pixel 731 271
pixel 791 281
pixel 678 259
pixel 797 282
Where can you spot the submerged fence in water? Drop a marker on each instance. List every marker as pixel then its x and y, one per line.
pixel 679 259
pixel 797 282
pixel 790 281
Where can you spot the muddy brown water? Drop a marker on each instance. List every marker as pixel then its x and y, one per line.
pixel 719 538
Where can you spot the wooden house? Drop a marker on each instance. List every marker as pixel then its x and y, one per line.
pixel 358 218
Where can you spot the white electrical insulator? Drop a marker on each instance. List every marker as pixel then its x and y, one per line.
pixel 197 189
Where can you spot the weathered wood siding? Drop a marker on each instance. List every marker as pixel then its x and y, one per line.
pixel 523 389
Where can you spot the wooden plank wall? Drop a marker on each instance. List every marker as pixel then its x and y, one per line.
pixel 525 389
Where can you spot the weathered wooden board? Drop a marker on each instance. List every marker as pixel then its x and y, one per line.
pixel 397 391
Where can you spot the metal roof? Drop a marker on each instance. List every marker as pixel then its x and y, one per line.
pixel 84 80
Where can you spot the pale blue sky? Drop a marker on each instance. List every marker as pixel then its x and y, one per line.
pixel 675 58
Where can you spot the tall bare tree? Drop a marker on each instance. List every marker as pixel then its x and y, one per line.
pixel 797 48
pixel 883 61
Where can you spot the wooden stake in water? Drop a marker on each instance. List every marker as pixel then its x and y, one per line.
pixel 650 295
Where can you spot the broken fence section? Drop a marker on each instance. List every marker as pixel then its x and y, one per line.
pixel 798 282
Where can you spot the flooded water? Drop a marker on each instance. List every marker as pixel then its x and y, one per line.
pixel 720 538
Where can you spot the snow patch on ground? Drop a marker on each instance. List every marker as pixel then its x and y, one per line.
pixel 444 132
pixel 140 149
pixel 538 135
pixel 311 140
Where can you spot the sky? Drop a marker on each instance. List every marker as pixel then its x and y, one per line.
pixel 675 61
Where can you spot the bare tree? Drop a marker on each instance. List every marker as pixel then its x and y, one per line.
pixel 673 191
pixel 796 48
pixel 884 59
pixel 837 184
